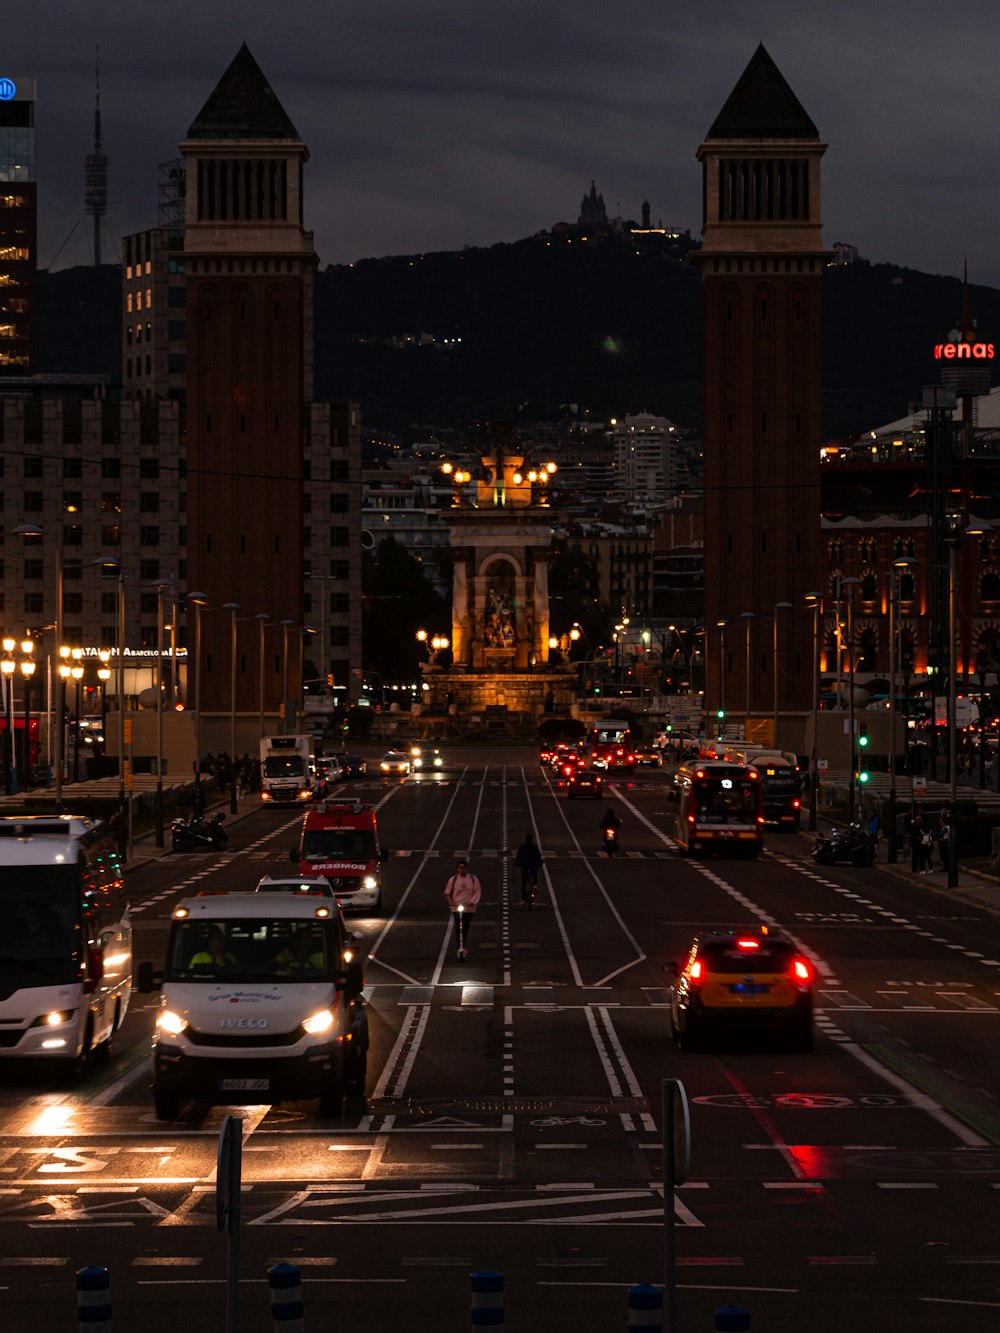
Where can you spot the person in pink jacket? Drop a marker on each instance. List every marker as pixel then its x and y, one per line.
pixel 463 890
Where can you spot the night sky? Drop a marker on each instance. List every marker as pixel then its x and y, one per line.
pixel 439 125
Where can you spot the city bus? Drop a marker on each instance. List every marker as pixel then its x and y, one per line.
pixel 66 958
pixel 720 807
pixel 781 782
pixel 610 744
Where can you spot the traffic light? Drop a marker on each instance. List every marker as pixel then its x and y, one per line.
pixel 720 713
pixel 862 734
pixel 329 679
pixel 863 774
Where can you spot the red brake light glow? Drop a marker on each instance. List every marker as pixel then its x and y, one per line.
pixel 694 971
pixel 802 970
pixel 748 944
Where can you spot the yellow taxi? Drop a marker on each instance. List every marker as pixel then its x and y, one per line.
pixel 752 978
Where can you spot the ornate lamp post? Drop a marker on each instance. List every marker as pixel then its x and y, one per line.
pixel 747 618
pixel 232 608
pixel 815 601
pixel 286 625
pixel 197 600
pixel 57 737
pixel 261 618
pixel 778 606
pixel 161 591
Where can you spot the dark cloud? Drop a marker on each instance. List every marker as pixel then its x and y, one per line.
pixel 446 124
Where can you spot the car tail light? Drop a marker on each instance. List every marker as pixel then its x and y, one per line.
pixel 694 971
pixel 748 944
pixel 796 804
pixel 801 970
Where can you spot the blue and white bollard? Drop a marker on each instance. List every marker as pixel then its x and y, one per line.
pixel 285 1281
pixel 487 1300
pixel 732 1319
pixel 645 1307
pixel 93 1300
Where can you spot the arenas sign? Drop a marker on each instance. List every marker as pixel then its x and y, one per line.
pixel 963 351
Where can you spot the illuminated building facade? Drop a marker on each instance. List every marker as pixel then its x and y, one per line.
pixel 18 226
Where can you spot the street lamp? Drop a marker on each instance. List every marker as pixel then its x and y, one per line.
pixel 197 600
pixel 778 606
pixel 898 566
pixel 850 584
pixel 77 674
pixel 123 810
pixel 747 618
pixel 815 601
pixel 721 626
pixel 232 608
pixel 261 618
pixel 56 739
pixel 8 666
pixel 286 625
pixel 161 591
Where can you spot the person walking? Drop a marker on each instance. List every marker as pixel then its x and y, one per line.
pixel 944 837
pixel 462 893
pixel 529 860
pixel 916 843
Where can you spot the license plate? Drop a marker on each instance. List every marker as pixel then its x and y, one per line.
pixel 244 1084
pixel 746 988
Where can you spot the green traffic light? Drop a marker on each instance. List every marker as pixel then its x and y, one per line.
pixel 862 741
pixel 863 777
pixel 721 712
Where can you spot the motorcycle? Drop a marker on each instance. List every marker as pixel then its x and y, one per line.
pixel 609 839
pixel 199 834
pixel 847 846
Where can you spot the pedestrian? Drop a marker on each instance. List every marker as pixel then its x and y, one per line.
pixel 463 891
pixel 944 837
pixel 873 825
pixel 529 860
pixel 916 840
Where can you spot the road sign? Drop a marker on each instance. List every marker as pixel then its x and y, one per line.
pixel 920 786
pixel 822 765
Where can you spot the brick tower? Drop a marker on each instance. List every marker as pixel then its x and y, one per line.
pixel 248 266
pixel 761 265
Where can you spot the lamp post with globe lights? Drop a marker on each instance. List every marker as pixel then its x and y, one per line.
pixel 232 608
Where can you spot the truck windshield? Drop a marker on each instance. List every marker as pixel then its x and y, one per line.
pixel 41 915
pixel 284 766
pixel 338 844
pixel 250 951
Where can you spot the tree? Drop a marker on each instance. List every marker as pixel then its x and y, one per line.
pixel 398 600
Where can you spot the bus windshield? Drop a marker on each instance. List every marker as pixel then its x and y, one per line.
pixel 726 800
pixel 249 951
pixel 338 844
pixel 613 735
pixel 41 941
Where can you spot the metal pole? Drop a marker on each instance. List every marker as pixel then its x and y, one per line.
pixel 123 810
pixel 814 752
pixel 722 677
pixel 669 1204
pixel 285 625
pixel 893 586
pixel 261 617
pixel 774 672
pixel 232 607
pixel 159 713
pixel 26 748
pixel 748 617
pixel 60 685
pixel 952 738
pixel 850 701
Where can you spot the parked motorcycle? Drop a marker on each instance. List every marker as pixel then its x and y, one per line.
pixel 852 845
pixel 199 834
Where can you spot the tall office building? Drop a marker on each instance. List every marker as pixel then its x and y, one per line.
pixel 18 227
pixel 761 265
pixel 248 267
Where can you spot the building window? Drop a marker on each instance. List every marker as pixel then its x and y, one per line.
pixel 72 467
pixel 73 603
pixel 109 603
pixel 34 569
pixel 148 603
pixel 34 603
pixel 149 468
pixel 339 503
pixel 111 502
pixel 111 468
pixel 149 536
pixel 149 502
pixel 149 569
pixel 340 569
pixel 72 501
pixel 339 536
pixel 111 535
pixel 72 535
pixel 339 635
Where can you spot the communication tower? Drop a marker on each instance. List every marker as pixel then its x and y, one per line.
pixel 95 172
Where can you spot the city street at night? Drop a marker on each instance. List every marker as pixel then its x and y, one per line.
pixel 512 1116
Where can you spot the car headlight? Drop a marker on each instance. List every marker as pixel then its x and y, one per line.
pixel 322 1021
pixel 168 1021
pixel 54 1018
pixel 437 761
pixel 385 768
pixel 417 763
pixel 369 882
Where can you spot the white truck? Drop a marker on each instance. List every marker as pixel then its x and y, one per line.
pixel 284 769
pixel 260 1001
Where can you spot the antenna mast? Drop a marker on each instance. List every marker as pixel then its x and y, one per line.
pixel 95 172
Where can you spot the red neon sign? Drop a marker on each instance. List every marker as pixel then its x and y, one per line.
pixel 963 351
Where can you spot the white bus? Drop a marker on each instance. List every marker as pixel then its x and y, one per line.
pixel 66 955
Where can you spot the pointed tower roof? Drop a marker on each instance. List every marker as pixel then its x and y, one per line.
pixel 242 106
pixel 762 106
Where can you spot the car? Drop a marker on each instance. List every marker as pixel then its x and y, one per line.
pixel 748 979
pixel 425 758
pixel 558 754
pixel 545 756
pixel 307 884
pixel 353 765
pixel 647 756
pixel 329 770
pixel 395 761
pixel 570 763
pixel 585 782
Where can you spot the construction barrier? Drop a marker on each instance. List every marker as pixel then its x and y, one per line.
pixel 93 1300
pixel 645 1307
pixel 487 1300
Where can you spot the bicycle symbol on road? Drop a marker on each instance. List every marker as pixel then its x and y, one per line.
pixel 557 1121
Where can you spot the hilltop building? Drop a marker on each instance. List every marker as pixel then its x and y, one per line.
pixel 18 227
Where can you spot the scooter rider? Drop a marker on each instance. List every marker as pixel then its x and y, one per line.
pixel 610 825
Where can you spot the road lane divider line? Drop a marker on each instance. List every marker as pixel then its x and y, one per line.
pixel 639 951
